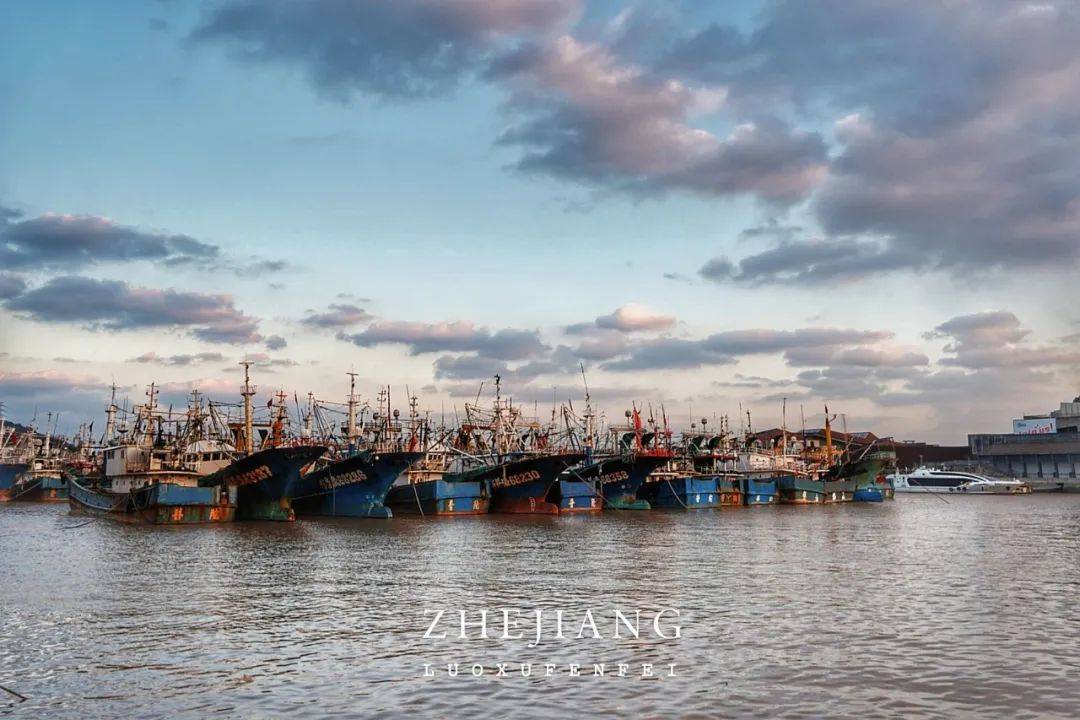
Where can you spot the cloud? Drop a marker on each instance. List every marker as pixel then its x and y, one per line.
pixel 581 115
pixel 55 242
pixel 599 345
pixel 459 336
pixel 152 358
pixel 11 285
pixel 468 367
pixel 338 315
pixel 725 347
pixel 275 342
pixel 400 49
pixel 633 317
pixel 866 357
pixel 115 305
pixel 67 242
pixel 756 382
pixel 808 262
pixel 994 339
pixel 74 396
pixel 942 107
pixel 262 360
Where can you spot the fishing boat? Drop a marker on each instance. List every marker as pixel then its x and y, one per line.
pixel 262 481
pixel 522 462
pixel 758 474
pixel 778 473
pixel 537 485
pixel 355 480
pixel 712 456
pixel 429 487
pixel 43 481
pixel 143 479
pixel 870 472
pixel 15 453
pixel 800 489
pixel 618 471
pixel 677 487
pixel 619 478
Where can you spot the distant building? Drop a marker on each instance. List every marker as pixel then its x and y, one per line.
pixel 910 455
pixel 1046 446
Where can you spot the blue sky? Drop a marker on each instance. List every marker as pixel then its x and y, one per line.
pixel 784 199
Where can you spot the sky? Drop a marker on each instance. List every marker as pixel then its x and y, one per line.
pixel 710 206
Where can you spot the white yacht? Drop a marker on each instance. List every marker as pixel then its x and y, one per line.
pixel 933 480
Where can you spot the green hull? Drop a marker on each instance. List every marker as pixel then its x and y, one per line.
pixel 800 491
pixel 279 511
pixel 869 473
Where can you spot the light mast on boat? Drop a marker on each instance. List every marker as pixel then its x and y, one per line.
pixel 350 427
pixel 248 393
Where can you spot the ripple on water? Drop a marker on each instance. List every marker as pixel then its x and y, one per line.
pixel 914 608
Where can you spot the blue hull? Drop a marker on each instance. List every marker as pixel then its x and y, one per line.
pixel 353 487
pixel 684 493
pixel 759 491
pixel 440 497
pixel 36 488
pixel 576 496
pixel 869 495
pixel 8 473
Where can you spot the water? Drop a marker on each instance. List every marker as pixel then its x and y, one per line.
pixel 914 608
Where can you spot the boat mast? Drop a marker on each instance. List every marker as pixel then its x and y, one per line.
pixel 248 393
pixel 828 439
pixel 151 405
pixel 350 427
pixel 49 432
pixel 589 429
pixel 783 427
pixel 497 419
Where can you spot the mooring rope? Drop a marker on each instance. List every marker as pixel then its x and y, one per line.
pixel 672 488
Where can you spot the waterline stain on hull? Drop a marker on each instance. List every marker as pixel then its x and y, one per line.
pixel 523 486
pixel 264 481
pixel 619 479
